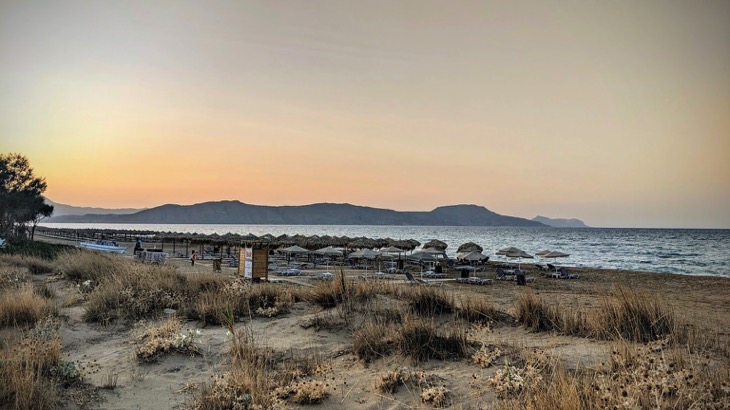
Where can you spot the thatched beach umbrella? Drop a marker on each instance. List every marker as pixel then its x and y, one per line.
pixel 435 244
pixel 328 251
pixel 422 256
pixel 294 250
pixel 362 243
pixel 518 254
pixel 511 249
pixel 392 249
pixel 554 255
pixel 408 244
pixel 469 247
pixel 364 254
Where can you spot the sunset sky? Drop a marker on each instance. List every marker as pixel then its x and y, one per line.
pixel 616 113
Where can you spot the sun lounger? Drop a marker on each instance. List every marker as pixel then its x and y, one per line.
pixel 502 275
pixel 474 281
pixel 434 275
pixel 289 272
pixel 411 279
pixel 373 275
pixel 326 276
pixel 564 274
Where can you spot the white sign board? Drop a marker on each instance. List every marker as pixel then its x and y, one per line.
pixel 248 263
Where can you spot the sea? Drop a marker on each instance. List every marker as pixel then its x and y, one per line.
pixel 677 251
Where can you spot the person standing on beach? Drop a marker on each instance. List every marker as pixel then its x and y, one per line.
pixel 193 257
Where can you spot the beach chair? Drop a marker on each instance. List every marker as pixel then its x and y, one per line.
pixel 502 275
pixel 326 276
pixel 564 274
pixel 474 281
pixel 411 279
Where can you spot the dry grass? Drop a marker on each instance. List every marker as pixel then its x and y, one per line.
pixel 422 340
pixel 634 316
pixel 374 340
pixel 329 294
pixel 80 266
pixel 12 276
pixel 24 307
pixel 427 301
pixel 135 291
pixel 538 316
pixel 242 300
pixel 482 311
pixel 32 370
pixel 624 315
pixel 248 384
pixel 116 289
pixel 34 265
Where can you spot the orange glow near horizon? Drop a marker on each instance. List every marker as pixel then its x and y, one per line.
pixel 616 115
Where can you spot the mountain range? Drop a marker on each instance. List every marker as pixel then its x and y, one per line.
pixel 236 212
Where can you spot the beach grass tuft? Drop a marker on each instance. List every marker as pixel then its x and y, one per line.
pixel 422 340
pixel 24 307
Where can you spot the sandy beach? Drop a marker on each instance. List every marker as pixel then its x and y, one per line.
pixel 107 352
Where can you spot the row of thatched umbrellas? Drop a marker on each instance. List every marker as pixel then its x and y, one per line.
pixel 308 242
pixel 467 251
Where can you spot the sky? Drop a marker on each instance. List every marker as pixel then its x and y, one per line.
pixel 616 113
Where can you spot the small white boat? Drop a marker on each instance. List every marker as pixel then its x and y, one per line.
pixel 104 246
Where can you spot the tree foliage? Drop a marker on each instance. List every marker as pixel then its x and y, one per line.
pixel 21 201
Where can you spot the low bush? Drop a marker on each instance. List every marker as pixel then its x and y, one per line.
pixel 392 380
pixel 165 338
pixel 637 377
pixel 487 355
pixel 304 392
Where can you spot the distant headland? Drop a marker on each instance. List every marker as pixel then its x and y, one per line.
pixel 236 212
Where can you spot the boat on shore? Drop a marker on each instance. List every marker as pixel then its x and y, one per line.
pixel 104 246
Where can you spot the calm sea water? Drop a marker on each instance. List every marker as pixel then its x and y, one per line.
pixel 682 251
